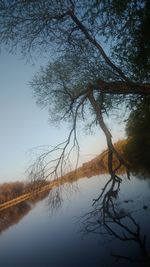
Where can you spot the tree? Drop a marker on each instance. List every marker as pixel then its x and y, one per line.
pixel 83 82
pixel 82 79
pixel 137 150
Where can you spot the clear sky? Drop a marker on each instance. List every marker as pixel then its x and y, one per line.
pixel 24 125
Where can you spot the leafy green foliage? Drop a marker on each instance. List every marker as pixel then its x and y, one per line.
pixel 127 25
pixel 49 26
pixel 137 150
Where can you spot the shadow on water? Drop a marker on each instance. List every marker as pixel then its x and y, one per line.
pixel 120 225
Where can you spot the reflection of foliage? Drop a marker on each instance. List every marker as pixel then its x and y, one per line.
pixel 13 215
pixel 137 150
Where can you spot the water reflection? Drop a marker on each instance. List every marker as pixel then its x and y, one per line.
pixel 13 215
pixel 118 223
pixel 40 238
pixel 115 218
pixel 110 217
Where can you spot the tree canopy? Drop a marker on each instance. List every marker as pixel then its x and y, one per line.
pixel 137 150
pixel 76 25
pixel 99 56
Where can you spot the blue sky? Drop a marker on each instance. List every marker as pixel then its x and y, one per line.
pixel 24 125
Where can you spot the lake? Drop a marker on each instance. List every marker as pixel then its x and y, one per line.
pixel 61 237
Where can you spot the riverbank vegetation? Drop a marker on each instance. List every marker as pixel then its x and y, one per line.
pixel 12 190
pixel 96 166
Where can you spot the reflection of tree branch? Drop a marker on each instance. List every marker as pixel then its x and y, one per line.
pixel 118 257
pixel 107 218
pixel 54 200
pixel 120 226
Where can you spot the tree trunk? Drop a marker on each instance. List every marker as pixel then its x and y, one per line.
pixel 111 150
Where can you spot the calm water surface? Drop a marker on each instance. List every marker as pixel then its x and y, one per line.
pixel 44 238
